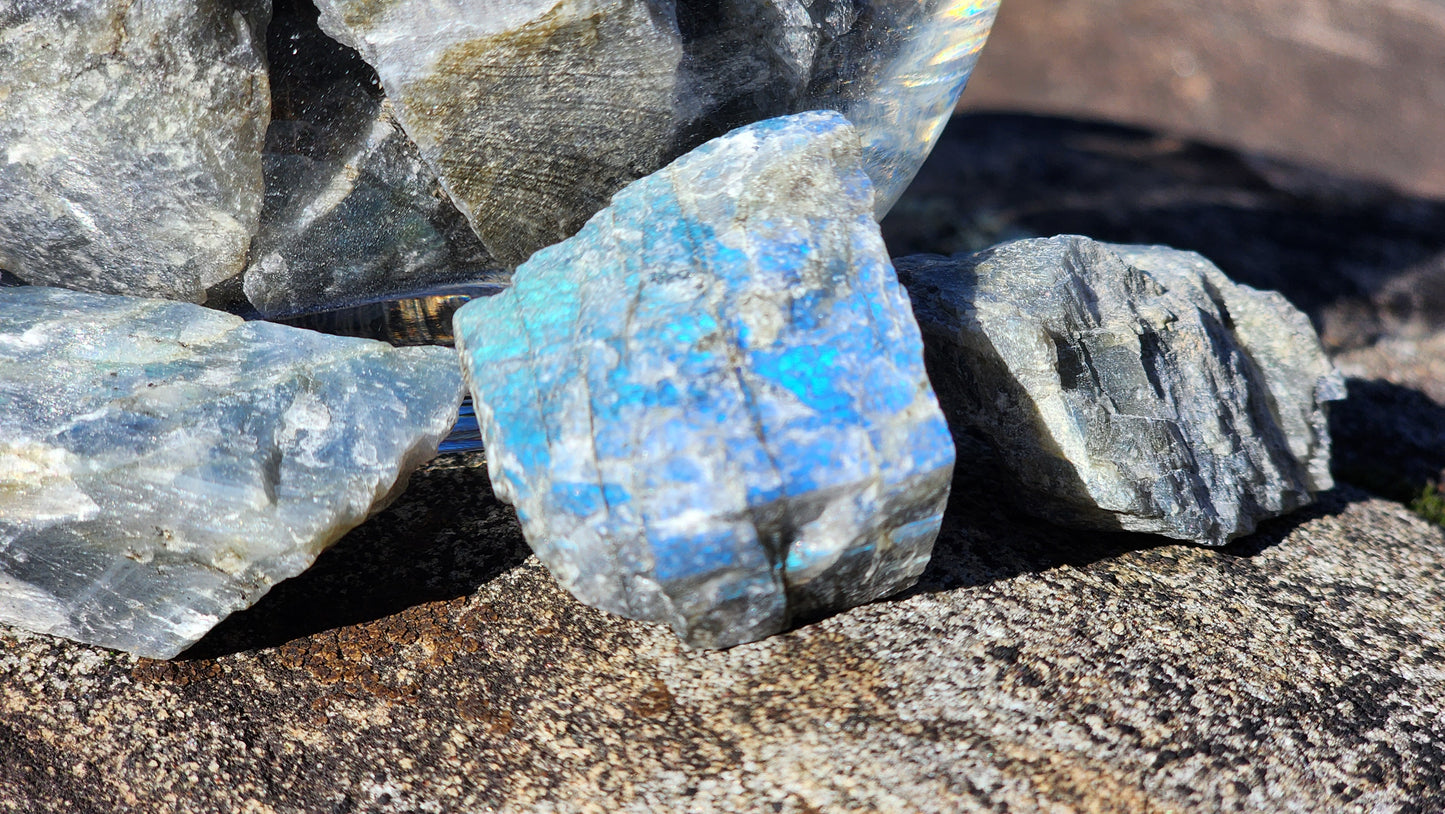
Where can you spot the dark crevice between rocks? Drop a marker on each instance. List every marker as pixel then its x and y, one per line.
pixel 1388 439
pixel 444 538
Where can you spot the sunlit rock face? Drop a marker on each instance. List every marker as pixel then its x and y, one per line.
pixel 163 464
pixel 130 142
pixel 535 111
pixel 353 213
pixel 709 407
pixel 1129 387
pixel 532 111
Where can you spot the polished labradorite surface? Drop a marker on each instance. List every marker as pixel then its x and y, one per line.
pixel 709 407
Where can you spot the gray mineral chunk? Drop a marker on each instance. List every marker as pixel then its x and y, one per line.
pixel 353 213
pixel 1129 387
pixel 534 112
pixel 130 142
pixel 369 224
pixel 164 464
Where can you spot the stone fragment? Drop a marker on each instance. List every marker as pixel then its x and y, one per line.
pixel 894 69
pixel 130 142
pixel 373 224
pixel 1129 387
pixel 709 407
pixel 353 214
pixel 534 112
pixel 163 464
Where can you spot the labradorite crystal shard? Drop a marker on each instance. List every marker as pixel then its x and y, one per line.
pixel 893 68
pixel 534 112
pixel 163 464
pixel 130 142
pixel 1130 388
pixel 709 407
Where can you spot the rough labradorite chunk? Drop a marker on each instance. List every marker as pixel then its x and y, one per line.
pixel 163 464
pixel 894 68
pixel 709 407
pixel 535 111
pixel 369 225
pixel 532 111
pixel 353 213
pixel 1130 387
pixel 130 142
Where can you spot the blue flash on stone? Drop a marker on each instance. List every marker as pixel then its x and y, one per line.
pixel 710 406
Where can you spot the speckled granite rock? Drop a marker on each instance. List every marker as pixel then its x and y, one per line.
pixel 1130 387
pixel 131 139
pixel 423 662
pixel 709 406
pixel 632 84
pixel 163 464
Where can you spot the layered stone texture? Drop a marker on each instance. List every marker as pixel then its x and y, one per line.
pixel 534 113
pixel 163 464
pixel 1130 387
pixel 370 224
pixel 353 213
pixel 710 407
pixel 130 142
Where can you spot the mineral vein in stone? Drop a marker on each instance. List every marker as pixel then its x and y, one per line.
pixel 130 142
pixel 709 407
pixel 1130 387
pixel 163 464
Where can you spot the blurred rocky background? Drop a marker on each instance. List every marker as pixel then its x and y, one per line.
pixel 1354 87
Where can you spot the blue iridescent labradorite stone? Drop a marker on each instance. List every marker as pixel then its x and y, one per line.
pixel 709 407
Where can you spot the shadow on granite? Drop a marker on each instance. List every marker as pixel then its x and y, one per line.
pixel 1333 245
pixel 445 537
pixel 981 514
pixel 1388 439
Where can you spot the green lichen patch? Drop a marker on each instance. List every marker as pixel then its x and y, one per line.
pixel 1430 503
